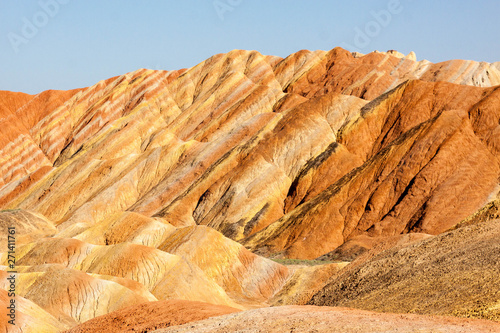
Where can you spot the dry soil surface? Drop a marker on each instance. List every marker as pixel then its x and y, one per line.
pixel 326 319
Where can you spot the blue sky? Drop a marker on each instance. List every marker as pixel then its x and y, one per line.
pixel 65 44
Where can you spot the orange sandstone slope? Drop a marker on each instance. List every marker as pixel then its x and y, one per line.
pixel 430 159
pixel 151 316
pixel 134 259
pixel 24 146
pixel 159 185
pixel 290 156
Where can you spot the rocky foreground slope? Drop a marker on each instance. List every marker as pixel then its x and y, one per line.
pixel 161 185
pixel 335 320
pixel 458 271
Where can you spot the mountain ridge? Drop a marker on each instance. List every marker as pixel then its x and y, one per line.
pixel 193 184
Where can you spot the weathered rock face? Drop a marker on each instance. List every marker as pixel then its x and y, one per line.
pixel 232 143
pixel 29 316
pixel 29 227
pixel 455 273
pixel 76 296
pixel 25 147
pixel 150 316
pixel 157 185
pixel 427 168
pixel 135 259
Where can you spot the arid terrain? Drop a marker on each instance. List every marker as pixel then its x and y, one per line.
pixel 327 191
